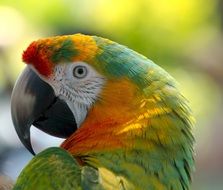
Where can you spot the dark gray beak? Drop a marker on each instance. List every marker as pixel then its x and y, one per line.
pixel 34 103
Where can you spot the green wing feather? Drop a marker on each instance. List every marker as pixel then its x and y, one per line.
pixel 51 169
pixel 56 169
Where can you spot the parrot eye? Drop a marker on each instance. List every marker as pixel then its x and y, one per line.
pixel 80 71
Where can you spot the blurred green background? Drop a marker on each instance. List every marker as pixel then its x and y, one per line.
pixel 185 37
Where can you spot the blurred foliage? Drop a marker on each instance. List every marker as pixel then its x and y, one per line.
pixel 174 34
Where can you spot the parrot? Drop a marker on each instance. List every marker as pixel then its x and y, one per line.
pixel 126 124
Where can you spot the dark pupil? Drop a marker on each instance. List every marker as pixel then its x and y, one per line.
pixel 80 71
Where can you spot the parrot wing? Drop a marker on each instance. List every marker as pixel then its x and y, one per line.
pixel 55 168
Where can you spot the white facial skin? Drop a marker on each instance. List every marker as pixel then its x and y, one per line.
pixel 79 85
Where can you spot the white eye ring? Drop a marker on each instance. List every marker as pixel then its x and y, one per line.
pixel 80 71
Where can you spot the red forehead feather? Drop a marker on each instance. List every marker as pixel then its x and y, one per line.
pixel 32 55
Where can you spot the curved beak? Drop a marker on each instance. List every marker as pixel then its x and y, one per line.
pixel 34 103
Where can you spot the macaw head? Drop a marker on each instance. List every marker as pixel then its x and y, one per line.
pixel 99 88
pixel 118 111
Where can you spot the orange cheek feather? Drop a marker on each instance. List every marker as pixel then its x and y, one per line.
pixel 105 119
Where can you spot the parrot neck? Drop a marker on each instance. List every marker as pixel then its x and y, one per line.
pixel 147 138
